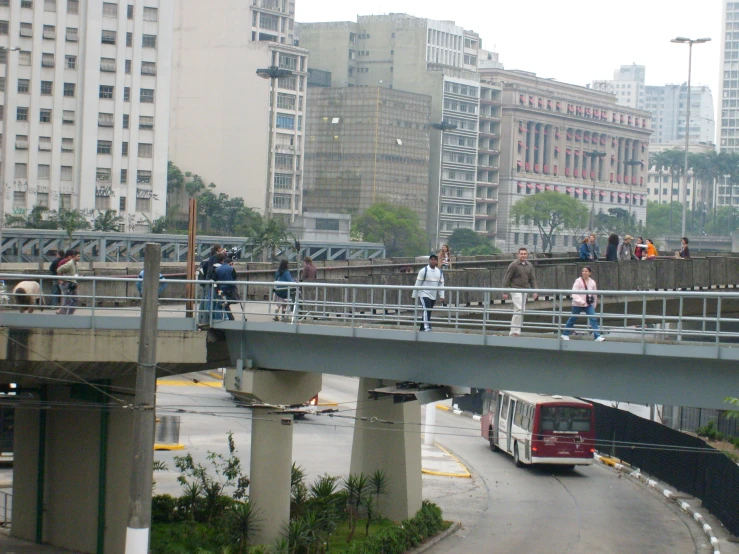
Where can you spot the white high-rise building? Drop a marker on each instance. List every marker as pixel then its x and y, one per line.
pixel 222 111
pixel 728 136
pixel 86 101
pixel 668 107
pixel 627 85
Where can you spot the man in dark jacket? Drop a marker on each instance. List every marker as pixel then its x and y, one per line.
pixel 520 275
pixel 225 275
pixel 56 290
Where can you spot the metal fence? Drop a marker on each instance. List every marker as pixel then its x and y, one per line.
pixel 690 419
pixel 6 509
pixel 708 318
pixel 683 461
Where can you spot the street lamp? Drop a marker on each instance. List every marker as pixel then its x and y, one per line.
pixel 593 155
pixel 631 185
pixel 5 142
pixel 272 73
pixel 442 128
pixel 690 43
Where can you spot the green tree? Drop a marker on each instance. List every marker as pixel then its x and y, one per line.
pixel 467 242
pixel 550 211
pixel 71 221
pixel 617 220
pixel 108 221
pixel 38 218
pixel 397 227
pixel 267 236
pixel 175 178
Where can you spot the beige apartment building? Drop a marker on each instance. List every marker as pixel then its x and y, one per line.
pixel 222 112
pixel 549 129
pixel 438 59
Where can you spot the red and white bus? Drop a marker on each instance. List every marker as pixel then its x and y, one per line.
pixel 539 428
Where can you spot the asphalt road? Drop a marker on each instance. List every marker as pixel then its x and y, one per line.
pixel 502 508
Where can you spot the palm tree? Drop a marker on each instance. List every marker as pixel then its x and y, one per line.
pixel 244 521
pixel 108 221
pixel 71 221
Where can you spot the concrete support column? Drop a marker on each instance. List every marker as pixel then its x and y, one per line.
pixel 395 449
pixel 271 464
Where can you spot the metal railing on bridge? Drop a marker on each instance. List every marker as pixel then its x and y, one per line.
pixel 700 317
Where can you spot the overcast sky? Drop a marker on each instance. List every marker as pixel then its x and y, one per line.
pixel 574 41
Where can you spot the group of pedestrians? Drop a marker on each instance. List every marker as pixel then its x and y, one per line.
pixel 64 291
pixel 626 250
pixel 283 294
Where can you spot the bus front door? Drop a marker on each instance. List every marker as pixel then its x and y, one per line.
pixel 509 426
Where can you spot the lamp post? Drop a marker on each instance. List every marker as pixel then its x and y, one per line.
pixel 593 155
pixel 442 128
pixel 272 73
pixel 5 142
pixel 631 185
pixel 690 43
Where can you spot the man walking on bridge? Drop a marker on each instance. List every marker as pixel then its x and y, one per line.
pixel 520 275
pixel 432 277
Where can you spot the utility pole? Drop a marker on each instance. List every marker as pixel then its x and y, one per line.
pixel 139 499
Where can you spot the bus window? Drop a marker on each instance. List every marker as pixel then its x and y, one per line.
pixel 565 419
pixel 504 407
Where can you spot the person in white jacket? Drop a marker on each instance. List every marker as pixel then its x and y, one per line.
pixel 433 278
pixel 584 303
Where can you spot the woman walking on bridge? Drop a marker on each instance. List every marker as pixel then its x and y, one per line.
pixel 584 303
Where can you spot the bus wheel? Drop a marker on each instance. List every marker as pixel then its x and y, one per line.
pixel 493 446
pixel 516 459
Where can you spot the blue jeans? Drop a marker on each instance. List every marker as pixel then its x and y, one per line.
pixel 577 310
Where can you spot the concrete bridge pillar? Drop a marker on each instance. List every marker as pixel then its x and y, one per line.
pixel 71 469
pixel 395 449
pixel 271 466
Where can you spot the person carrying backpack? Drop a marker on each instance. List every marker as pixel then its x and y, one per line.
pixel 433 277
pixel 282 293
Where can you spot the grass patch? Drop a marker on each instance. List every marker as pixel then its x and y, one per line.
pixel 337 541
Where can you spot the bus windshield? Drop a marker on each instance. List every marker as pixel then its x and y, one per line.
pixel 565 419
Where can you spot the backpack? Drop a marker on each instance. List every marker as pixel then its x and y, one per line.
pixel 426 271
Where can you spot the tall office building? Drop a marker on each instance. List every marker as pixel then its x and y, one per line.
pixel 86 102
pixel 570 140
pixel 223 113
pixel 433 58
pixel 668 106
pixel 728 136
pixel 627 85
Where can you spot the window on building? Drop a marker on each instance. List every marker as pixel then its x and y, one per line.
pixel 4 26
pixel 66 173
pixel 124 149
pixel 129 11
pixel 128 67
pixel 69 89
pixel 27 4
pixel 21 142
pixel 73 7
pixel 147 96
pixel 44 172
pixel 26 30
pixel 284 161
pixel 3 56
pixel 21 171
pixel 24 57
pixel 285 121
pixel 110 9
pixel 105 119
pixel 129 39
pixel 47 88
pixel 47 60
pixel 67 145
pixel 285 101
pixel 106 92
pixel 102 175
pixel 23 86
pixel 105 147
pixel 71 62
pixel 42 199
pixel 108 37
pixel 151 14
pixel 148 68
pixel 44 144
pixel 19 198
pixel 49 32
pixel 65 201
pixel 283 181
pixel 143 176
pixel 147 122
pixel 107 64
pixel 68 117
pixel 126 119
pixel 102 203
pixel 44 115
pixel 149 41
pixel 145 150
pixel 73 34
pixel 143 204
pixel 126 94
pixel 288 83
pixel 124 179
pixel 323 224
pixel 281 202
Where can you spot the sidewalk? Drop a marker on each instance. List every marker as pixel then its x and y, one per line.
pixel 14 546
pixel 437 460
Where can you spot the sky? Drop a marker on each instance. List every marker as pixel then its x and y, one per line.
pixel 574 41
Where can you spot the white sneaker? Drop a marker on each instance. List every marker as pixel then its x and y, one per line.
pixel 565 337
pixel 600 339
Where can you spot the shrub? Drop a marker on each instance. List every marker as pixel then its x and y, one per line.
pixel 396 540
pixel 163 508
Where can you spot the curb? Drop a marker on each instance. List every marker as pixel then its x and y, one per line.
pixel 436 540
pixel 668 494
pixel 216 375
pixel 168 447
pixel 458 412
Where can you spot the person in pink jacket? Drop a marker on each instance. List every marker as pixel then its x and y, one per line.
pixel 584 303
